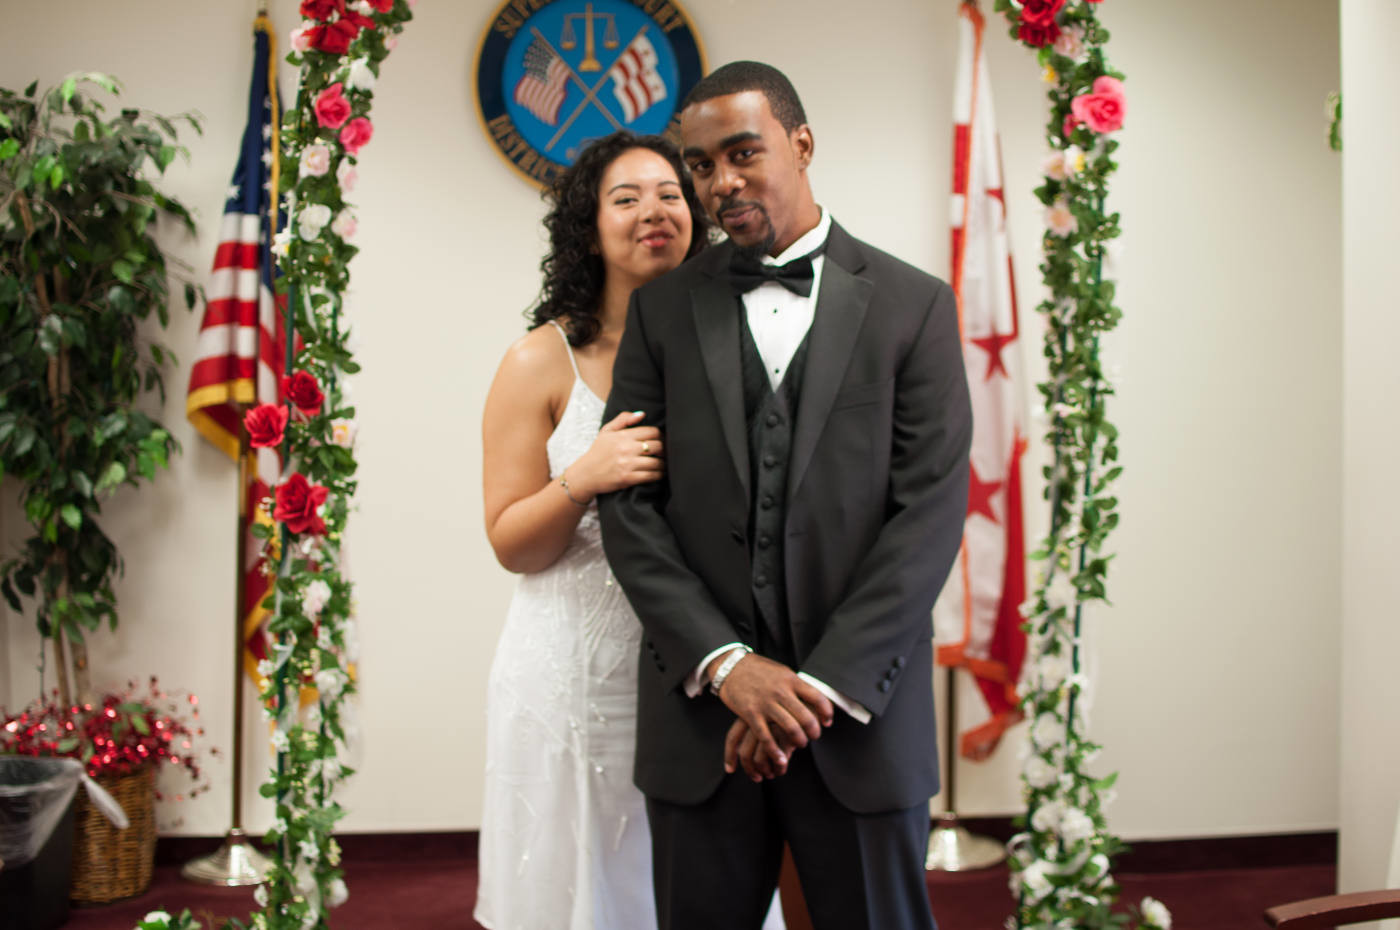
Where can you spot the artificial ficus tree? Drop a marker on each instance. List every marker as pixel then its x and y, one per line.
pixel 81 270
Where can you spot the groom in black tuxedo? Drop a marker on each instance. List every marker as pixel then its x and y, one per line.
pixel 811 393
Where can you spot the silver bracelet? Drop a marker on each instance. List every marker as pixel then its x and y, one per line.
pixel 727 666
pixel 564 483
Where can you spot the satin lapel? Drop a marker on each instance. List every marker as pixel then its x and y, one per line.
pixel 841 305
pixel 717 327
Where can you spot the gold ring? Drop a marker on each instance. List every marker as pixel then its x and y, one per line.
pixel 646 447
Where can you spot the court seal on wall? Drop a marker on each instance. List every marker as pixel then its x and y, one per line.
pixel 552 75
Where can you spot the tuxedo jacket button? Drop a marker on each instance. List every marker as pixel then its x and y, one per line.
pixel 899 661
pixel 774 419
pixel 885 685
pixel 767 502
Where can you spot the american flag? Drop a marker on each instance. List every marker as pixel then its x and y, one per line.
pixel 239 356
pixel 977 617
pixel 542 88
pixel 636 83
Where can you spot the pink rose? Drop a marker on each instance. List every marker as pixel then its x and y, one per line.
pixel 1103 109
pixel 332 109
pixel 1070 125
pixel 356 134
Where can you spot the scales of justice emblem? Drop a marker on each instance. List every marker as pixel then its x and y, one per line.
pixel 552 75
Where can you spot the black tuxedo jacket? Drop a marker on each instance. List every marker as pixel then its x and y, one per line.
pixel 877 494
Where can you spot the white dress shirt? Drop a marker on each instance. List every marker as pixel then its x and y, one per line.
pixel 778 321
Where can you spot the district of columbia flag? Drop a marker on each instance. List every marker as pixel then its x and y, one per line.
pixel 240 351
pixel 636 83
pixel 542 87
pixel 977 619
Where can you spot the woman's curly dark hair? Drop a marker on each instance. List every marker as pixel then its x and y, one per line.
pixel 573 270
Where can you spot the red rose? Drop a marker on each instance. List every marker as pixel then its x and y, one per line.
pixel 357 20
pixel 1037 35
pixel 266 424
pixel 385 6
pixel 297 500
pixel 321 9
pixel 302 390
pixel 332 109
pixel 1070 125
pixel 356 133
pixel 334 38
pixel 1041 12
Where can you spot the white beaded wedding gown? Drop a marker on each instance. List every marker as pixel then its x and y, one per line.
pixel 564 841
pixel 564 837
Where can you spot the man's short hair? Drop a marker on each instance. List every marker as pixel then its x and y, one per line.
pixel 740 76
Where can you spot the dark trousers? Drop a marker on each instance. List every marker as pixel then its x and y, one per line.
pixel 715 864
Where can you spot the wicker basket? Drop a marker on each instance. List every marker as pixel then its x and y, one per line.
pixel 111 864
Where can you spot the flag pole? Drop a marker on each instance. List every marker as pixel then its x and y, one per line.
pixel 951 847
pixel 236 862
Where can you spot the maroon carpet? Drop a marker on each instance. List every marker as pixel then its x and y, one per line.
pixel 439 895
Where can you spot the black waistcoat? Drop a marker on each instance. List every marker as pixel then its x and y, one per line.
pixel 770 417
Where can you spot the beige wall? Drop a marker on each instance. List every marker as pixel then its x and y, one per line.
pixel 1218 663
pixel 1370 689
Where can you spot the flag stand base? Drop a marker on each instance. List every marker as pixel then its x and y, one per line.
pixel 951 848
pixel 237 862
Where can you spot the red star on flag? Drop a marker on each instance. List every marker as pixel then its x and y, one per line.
pixel 979 495
pixel 993 345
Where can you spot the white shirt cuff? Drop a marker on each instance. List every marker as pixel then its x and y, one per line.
pixel 854 708
pixel 695 684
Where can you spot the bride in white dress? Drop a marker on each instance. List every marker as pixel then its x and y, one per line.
pixel 564 839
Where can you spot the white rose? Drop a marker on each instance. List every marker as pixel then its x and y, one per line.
pixel 346 174
pixel 1059 220
pixel 1052 670
pixel 361 75
pixel 1070 42
pixel 1047 731
pixel 1035 880
pixel 343 432
pixel 1156 913
pixel 330 681
pixel 344 224
pixel 305 881
pixel 1039 773
pixel 155 916
pixel 315 160
pixel 315 597
pixel 282 242
pixel 301 40
pixel 337 894
pixel 1076 825
pixel 1074 160
pixel 1054 166
pixel 312 219
pixel 1047 816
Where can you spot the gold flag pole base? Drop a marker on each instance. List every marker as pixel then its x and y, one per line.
pixel 236 862
pixel 951 848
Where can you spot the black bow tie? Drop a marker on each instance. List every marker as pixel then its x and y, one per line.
pixel 747 273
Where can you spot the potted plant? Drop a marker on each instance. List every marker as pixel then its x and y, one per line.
pixel 121 739
pixel 80 272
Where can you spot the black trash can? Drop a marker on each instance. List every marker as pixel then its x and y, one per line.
pixel 36 840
